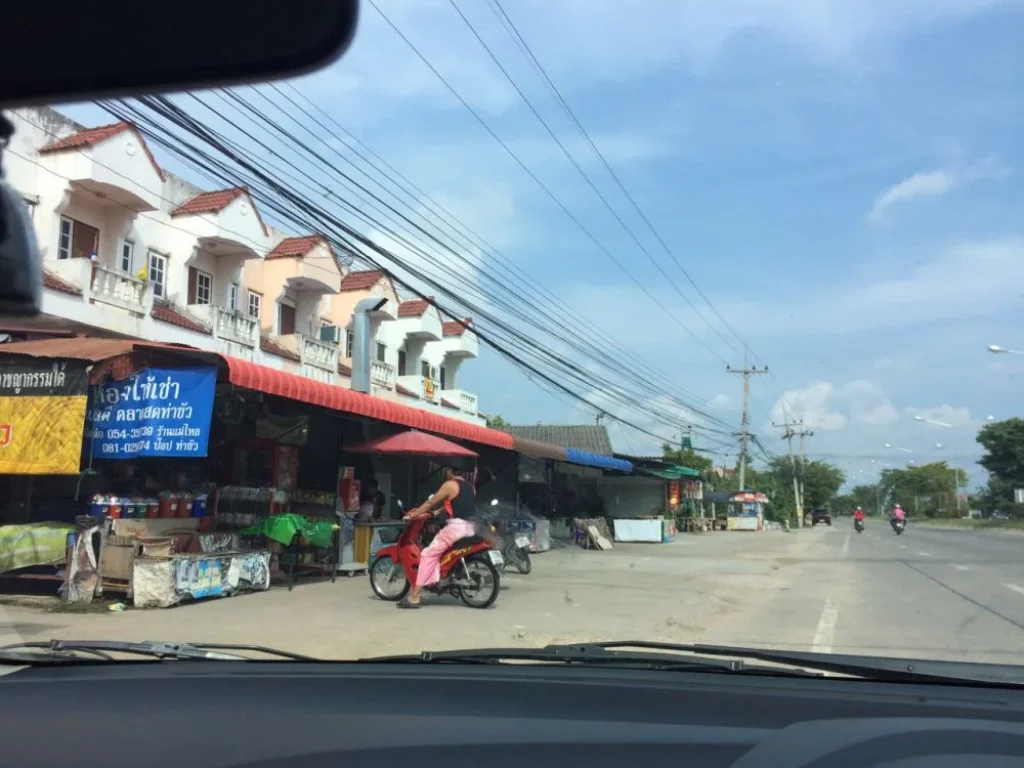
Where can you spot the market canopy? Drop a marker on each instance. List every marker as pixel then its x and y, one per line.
pixel 587 459
pixel 413 443
pixel 673 472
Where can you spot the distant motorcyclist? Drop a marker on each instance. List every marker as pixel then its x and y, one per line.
pixel 858 515
pixel 898 516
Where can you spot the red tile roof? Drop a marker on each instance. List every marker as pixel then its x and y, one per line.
pixel 215 202
pixel 454 327
pixel 406 391
pixel 298 246
pixel 360 281
pixel 55 283
pixel 414 307
pixel 271 347
pixel 168 313
pixel 92 136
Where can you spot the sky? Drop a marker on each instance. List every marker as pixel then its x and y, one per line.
pixel 841 179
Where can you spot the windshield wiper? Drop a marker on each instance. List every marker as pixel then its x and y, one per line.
pixel 730 658
pixel 596 654
pixel 78 651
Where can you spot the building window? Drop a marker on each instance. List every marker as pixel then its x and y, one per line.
pixel 158 274
pixel 382 352
pixel 285 319
pixel 349 342
pixel 200 287
pixel 255 303
pixel 127 256
pixel 401 362
pixel 64 243
pixel 444 378
pixel 233 290
pixel 424 369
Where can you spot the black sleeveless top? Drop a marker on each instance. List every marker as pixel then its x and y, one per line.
pixel 462 506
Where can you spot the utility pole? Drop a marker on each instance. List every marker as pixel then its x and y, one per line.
pixel 803 459
pixel 746 372
pixel 797 490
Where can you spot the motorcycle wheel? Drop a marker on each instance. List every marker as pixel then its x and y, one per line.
pixel 481 589
pixel 387 580
pixel 522 562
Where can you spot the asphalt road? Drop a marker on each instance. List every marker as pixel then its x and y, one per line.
pixel 929 593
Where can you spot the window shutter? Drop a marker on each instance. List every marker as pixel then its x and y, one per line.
pixel 193 280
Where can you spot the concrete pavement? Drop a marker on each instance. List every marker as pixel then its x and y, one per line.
pixel 930 593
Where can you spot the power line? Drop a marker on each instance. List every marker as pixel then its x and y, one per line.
pixel 349 237
pixel 579 224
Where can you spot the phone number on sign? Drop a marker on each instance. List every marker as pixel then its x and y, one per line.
pixel 129 434
pixel 129 448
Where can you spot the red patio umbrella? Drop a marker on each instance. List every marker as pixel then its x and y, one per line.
pixel 412 443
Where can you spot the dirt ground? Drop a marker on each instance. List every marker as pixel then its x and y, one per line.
pixel 673 592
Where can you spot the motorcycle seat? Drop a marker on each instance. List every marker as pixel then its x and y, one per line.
pixel 469 541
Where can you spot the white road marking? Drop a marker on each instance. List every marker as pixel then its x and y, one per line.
pixel 961 567
pixel 1015 587
pixel 903 546
pixel 846 545
pixel 923 554
pixel 826 631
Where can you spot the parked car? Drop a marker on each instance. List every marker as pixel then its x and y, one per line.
pixel 821 516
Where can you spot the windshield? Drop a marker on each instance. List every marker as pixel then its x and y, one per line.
pixel 528 324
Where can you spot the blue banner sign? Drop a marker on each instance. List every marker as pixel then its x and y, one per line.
pixel 155 412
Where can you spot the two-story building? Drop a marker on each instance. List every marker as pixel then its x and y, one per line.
pixel 130 250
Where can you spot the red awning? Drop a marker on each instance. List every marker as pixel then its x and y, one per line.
pixel 413 443
pixel 271 381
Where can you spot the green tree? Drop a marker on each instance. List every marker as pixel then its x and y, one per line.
pixel 496 422
pixel 1004 450
pixel 685 457
pixel 867 497
pixel 927 489
pixel 821 481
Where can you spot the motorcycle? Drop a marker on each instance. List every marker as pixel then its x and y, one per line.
pixel 858 526
pixel 898 526
pixel 514 546
pixel 469 569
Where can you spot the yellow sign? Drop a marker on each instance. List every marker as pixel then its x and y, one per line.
pixel 42 417
pixel 428 387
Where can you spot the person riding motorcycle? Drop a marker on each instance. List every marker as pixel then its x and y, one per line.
pixel 457 501
pixel 858 515
pixel 898 516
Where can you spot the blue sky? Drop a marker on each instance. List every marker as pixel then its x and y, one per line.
pixel 841 178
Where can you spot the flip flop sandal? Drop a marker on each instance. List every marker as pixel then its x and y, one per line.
pixel 408 604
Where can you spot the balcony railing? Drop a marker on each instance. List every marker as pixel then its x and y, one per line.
pixel 119 289
pixel 466 401
pixel 426 388
pixel 238 333
pixel 319 358
pixel 382 374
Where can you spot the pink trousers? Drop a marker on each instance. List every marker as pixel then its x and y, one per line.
pixel 430 558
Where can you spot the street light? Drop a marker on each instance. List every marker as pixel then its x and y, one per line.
pixel 997 350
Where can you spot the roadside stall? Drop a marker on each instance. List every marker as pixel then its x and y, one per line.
pixel 746 511
pixel 371 536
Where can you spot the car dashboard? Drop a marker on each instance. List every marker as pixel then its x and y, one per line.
pixel 175 713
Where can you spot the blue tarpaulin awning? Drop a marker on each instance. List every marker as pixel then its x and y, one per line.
pixel 587 459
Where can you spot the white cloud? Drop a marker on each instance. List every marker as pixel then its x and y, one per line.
pixel 932 184
pixel 954 416
pixel 813 404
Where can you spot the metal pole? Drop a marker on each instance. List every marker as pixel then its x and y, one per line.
pixel 745 422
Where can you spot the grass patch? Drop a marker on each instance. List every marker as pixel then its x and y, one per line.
pixel 975 525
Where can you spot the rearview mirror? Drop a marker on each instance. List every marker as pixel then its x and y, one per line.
pixel 95 50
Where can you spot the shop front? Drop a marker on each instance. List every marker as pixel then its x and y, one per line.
pixel 197 475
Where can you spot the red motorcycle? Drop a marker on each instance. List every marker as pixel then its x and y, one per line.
pixel 469 569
